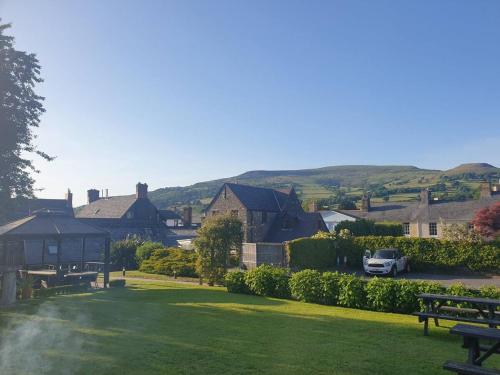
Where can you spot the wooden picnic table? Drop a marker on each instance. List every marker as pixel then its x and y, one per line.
pixel 476 340
pixel 484 310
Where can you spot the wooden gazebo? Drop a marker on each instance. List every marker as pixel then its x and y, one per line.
pixel 54 246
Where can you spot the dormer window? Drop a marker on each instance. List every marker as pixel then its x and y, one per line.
pixel 130 215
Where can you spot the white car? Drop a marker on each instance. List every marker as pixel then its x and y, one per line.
pixel 385 262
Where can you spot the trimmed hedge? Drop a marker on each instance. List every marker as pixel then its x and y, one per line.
pixel 424 253
pixel 430 252
pixel 118 283
pixel 347 290
pixel 364 227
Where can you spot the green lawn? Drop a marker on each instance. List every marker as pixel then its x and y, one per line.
pixel 157 327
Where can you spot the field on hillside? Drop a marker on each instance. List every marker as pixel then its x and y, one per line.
pixel 321 183
pixel 165 328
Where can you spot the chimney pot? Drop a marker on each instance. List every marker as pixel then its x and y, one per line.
pixel 69 199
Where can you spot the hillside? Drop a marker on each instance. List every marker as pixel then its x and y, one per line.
pixel 396 183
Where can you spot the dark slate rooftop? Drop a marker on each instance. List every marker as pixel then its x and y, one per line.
pixel 49 223
pixel 26 207
pixel 169 215
pixel 258 198
pixel 107 208
pixel 303 225
pixel 434 212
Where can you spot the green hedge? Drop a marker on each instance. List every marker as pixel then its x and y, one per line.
pixel 363 227
pixel 347 290
pixel 428 253
pixel 119 283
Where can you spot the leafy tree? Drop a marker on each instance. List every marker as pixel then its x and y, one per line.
pixel 460 232
pixel 216 238
pixel 20 112
pixel 487 221
pixel 123 254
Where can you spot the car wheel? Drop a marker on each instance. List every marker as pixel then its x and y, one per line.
pixel 394 271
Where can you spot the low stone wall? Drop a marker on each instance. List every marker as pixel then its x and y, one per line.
pixel 255 254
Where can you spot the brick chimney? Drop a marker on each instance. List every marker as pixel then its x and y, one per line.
pixel 365 203
pixel 187 216
pixel 69 199
pixel 425 197
pixel 141 191
pixel 485 190
pixel 92 195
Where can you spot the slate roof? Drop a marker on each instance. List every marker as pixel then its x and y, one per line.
pixel 305 224
pixel 258 198
pixel 107 208
pixel 49 223
pixel 26 207
pixel 169 215
pixel 434 212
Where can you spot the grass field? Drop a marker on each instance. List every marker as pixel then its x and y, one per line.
pixel 158 327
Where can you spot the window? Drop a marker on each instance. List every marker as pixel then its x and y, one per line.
pixel 52 249
pixel 264 217
pixel 130 215
pixel 433 230
pixel 215 212
pixel 234 213
pixel 406 229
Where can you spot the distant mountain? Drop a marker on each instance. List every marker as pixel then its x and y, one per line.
pixel 401 181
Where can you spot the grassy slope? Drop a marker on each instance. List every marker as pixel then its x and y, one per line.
pixel 158 327
pixel 313 183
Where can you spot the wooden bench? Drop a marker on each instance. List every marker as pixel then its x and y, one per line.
pixel 483 309
pixel 472 336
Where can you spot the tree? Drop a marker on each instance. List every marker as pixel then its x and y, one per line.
pixel 20 111
pixel 123 254
pixel 145 250
pixel 216 238
pixel 487 221
pixel 460 232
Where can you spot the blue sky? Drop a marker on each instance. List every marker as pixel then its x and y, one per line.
pixel 176 92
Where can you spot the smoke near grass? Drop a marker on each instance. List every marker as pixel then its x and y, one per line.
pixel 42 343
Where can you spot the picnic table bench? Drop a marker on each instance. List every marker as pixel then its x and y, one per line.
pixel 476 340
pixel 482 310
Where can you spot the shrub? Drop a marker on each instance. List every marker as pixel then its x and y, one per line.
pixel 235 282
pixel 459 289
pixel 316 253
pixel 270 281
pixel 406 296
pixel 119 283
pixel 123 254
pixel 351 291
pixel 489 292
pixel 364 227
pixel 306 286
pixel 430 288
pixel 330 287
pixel 171 261
pixel 381 294
pixel 145 250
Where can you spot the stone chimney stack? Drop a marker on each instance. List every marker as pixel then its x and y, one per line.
pixel 187 216
pixel 313 206
pixel 69 199
pixel 425 197
pixel 485 190
pixel 141 191
pixel 92 195
pixel 365 203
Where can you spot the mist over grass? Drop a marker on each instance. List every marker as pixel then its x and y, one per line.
pixel 37 343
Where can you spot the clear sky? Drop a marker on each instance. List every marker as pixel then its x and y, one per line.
pixel 176 92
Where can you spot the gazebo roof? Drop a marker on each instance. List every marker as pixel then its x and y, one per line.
pixel 49 223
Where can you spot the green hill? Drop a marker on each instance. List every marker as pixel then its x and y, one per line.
pixel 396 183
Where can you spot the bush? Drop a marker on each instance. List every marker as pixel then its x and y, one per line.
pixel 306 286
pixel 381 294
pixel 120 283
pixel 489 292
pixel 330 287
pixel 406 296
pixel 171 261
pixel 145 250
pixel 235 282
pixel 351 291
pixel 364 227
pixel 269 281
pixel 429 288
pixel 316 253
pixel 123 254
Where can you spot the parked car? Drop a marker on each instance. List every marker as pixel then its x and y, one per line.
pixel 385 262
